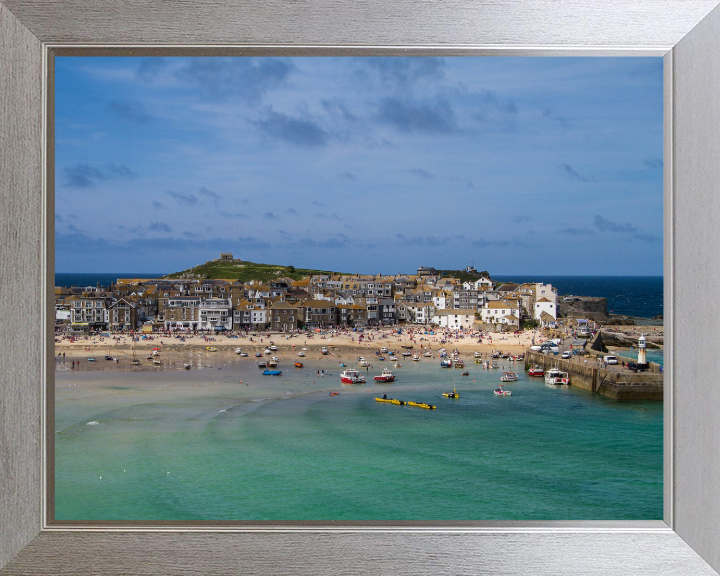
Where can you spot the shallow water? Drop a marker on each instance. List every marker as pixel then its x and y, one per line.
pixel 199 445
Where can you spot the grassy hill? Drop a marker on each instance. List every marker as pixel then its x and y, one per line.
pixel 245 271
pixel 465 276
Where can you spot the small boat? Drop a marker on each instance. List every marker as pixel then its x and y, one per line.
pixel 272 372
pixel 273 348
pixel 424 405
pixel 407 347
pixel 557 377
pixel 446 363
pixel 385 376
pixel 352 376
pixel 211 349
pixel 381 358
pixel 334 393
pixel 536 371
pixel 427 355
pixel 324 351
pixel 392 358
pixel 459 364
pixel 298 364
pixel 238 351
pixel 391 401
pixel 501 392
pixel 384 349
pixel 453 394
pixel 149 357
pixel 109 358
pixel 91 359
pixel 301 354
pixel 508 377
pixel 243 354
pixel 416 357
pixel 478 361
pixel 466 373
pixel 406 354
pixel 478 354
pixel 268 351
pixel 135 362
pixel 187 366
pixel 362 362
pixel 271 363
pixel 157 361
pixel 258 354
pixel 262 364
pixel 305 348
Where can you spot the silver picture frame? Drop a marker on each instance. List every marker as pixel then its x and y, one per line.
pixel 686 33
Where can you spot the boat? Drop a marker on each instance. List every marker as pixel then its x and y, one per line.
pixel 301 354
pixel 446 363
pixel 407 347
pixel 508 377
pixel 406 354
pixel 501 392
pixel 478 354
pixel 536 371
pixel 427 355
pixel 91 359
pixel 392 358
pixel 453 394
pixel 298 364
pixel 272 372
pixel 273 348
pixel 478 361
pixel 258 354
pixel 238 351
pixel 391 401
pixel 416 357
pixel 187 366
pixel 352 376
pixel 324 351
pixel 421 405
pixel 271 363
pixel 109 358
pixel 243 354
pixel 459 364
pixel 385 376
pixel 466 373
pixel 557 377
pixel 268 351
pixel 149 357
pixel 135 362
pixel 157 361
pixel 362 362
pixel 334 393
pixel 209 349
pixel 262 364
pixel 384 349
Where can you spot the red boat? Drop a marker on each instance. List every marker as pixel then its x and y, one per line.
pixel 536 371
pixel 385 376
pixel 351 376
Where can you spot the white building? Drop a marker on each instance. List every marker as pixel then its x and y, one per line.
pixel 544 305
pixel 454 318
pixel 215 313
pixel 501 312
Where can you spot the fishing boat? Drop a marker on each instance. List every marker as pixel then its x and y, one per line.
pixel 262 364
pixel 466 373
pixel 392 358
pixel 187 366
pixel 238 351
pixel 384 349
pixel 416 357
pixel 91 359
pixel 407 347
pixel 271 363
pixel 272 372
pixel 446 363
pixel 157 361
pixel 406 354
pixel 324 351
pixel 508 377
pixel 501 392
pixel 453 394
pixel 298 364
pixel 385 376
pixel 243 354
pixel 352 376
pixel 536 371
pixel 459 364
pixel 268 351
pixel 427 354
pixel 362 362
pixel 478 361
pixel 301 354
pixel 557 377
pixel 273 348
pixel 135 362
pixel 478 354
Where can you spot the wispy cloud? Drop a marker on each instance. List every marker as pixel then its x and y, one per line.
pixel 270 216
pixel 653 163
pixel 159 227
pixel 405 72
pixel 188 199
pixel 131 110
pixel 577 231
pixel 209 194
pixel 605 225
pixel 347 176
pixel 574 174
pixel 425 175
pixel 87 176
pixel 435 117
pixel 522 218
pixel 297 131
pixel 157 205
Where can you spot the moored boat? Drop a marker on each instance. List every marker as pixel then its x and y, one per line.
pixel 536 371
pixel 301 354
pixel 324 351
pixel 557 377
pixel 508 377
pixel 187 366
pixel 446 363
pixel 453 394
pixel 352 376
pixel 385 376
pixel 298 364
pixel 272 372
pixel 501 392
pixel 209 349
pixel 362 362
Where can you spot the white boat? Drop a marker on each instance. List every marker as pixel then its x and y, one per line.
pixel 384 349
pixel 273 348
pixel 427 355
pixel 393 358
pixel 301 354
pixel 416 357
pixel 385 376
pixel 501 392
pixel 557 377
pixel 324 351
pixel 268 351
pixel 478 354
pixel 508 377
pixel 362 362
pixel 187 366
pixel 352 376
pixel 157 361
pixel 238 350
pixel 243 354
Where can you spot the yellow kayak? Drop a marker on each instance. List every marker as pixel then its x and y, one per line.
pixel 391 401
pixel 421 405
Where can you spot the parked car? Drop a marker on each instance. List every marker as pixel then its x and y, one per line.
pixel 566 355
pixel 611 360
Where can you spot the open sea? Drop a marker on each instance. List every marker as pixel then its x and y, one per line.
pixel 223 442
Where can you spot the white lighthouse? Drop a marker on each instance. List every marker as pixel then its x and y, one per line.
pixel 642 345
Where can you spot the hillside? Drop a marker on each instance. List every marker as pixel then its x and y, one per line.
pixel 244 271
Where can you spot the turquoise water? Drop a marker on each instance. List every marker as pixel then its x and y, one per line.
pixel 651 355
pixel 198 445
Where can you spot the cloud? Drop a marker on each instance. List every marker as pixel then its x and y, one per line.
pixel 347 176
pixel 605 225
pixel 550 114
pixel 245 78
pixel 421 240
pixel 292 211
pixel 403 72
pixel 189 199
pixel 577 231
pixel 482 243
pixel 522 218
pixel 493 108
pixel 150 68
pixel 422 173
pixel 646 237
pixel 430 118
pixel 159 227
pixel 332 216
pixel 653 163
pixel 339 241
pixel 58 218
pixel 87 176
pixel 316 203
pixel 269 216
pixel 131 110
pixel 158 205
pixel 570 171
pixel 209 194
pixel 300 132
pixel 337 109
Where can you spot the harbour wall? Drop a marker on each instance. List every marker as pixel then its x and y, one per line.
pixel 611 382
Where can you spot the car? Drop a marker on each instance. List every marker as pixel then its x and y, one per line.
pixel 566 355
pixel 611 360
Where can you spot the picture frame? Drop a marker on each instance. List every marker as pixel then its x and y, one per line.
pixel 685 32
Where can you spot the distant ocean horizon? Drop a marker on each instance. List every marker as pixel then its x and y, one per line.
pixel 639 296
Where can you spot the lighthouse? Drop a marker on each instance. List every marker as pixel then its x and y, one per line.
pixel 642 345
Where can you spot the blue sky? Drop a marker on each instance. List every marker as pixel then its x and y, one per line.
pixel 518 165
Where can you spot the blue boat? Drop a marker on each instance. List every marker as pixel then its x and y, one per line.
pixel 272 372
